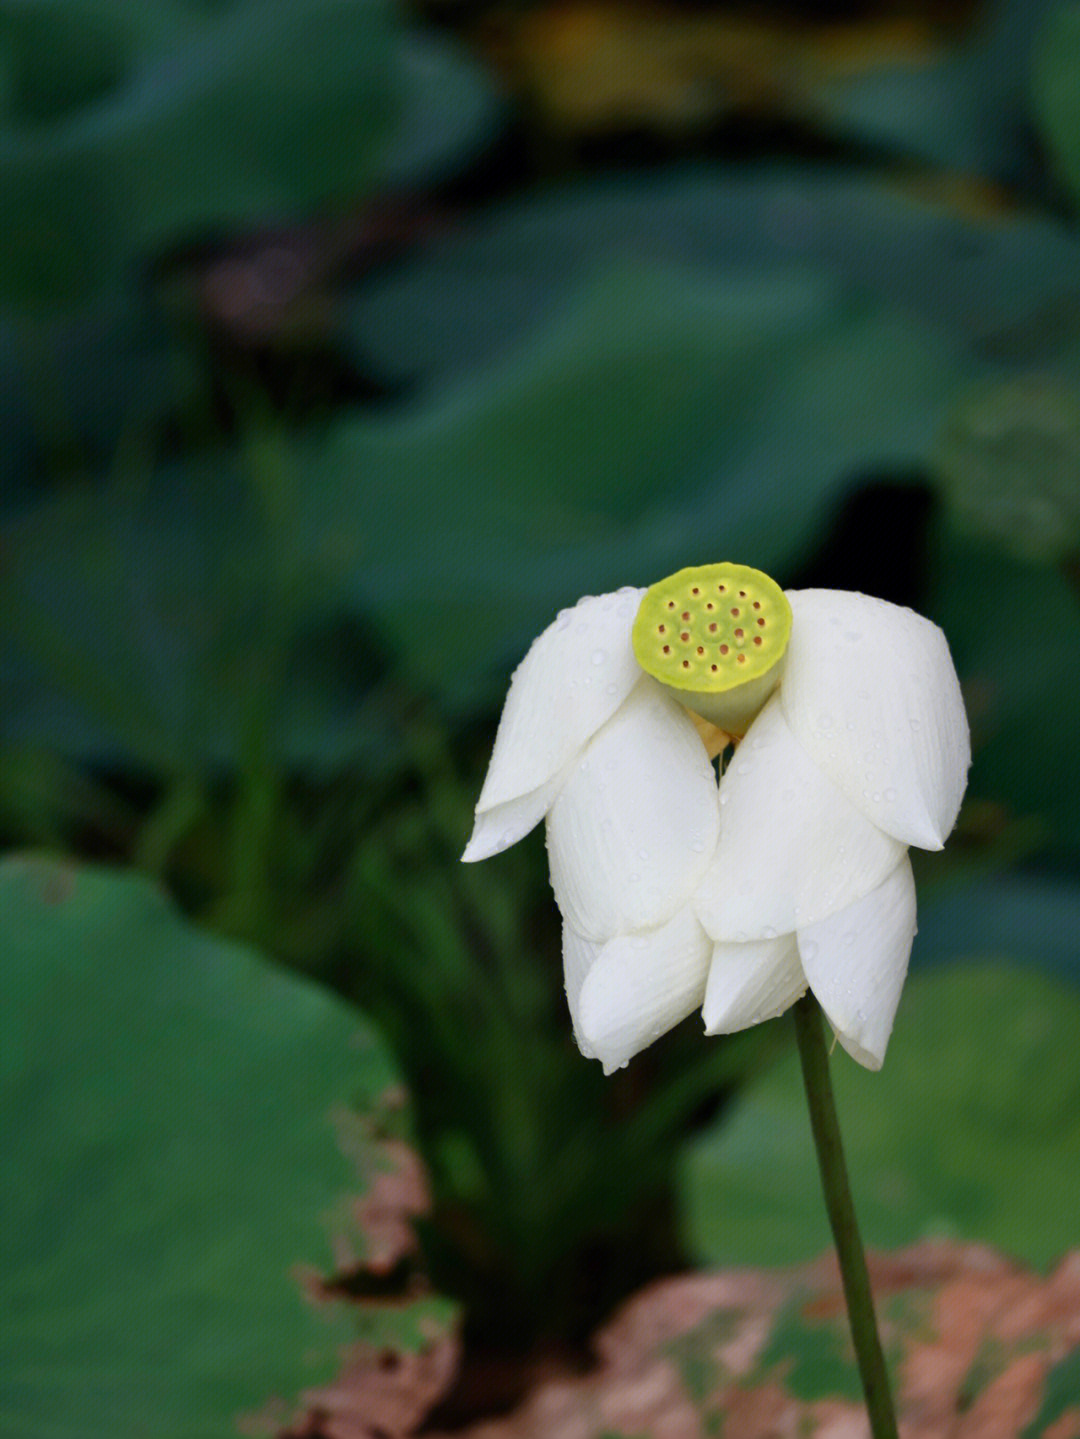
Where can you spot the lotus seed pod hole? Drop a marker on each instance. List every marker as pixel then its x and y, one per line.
pixel 716 635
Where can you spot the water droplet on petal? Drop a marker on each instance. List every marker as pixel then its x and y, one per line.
pixel 740 936
pixel 643 854
pixel 768 932
pixel 890 795
pixel 698 846
pixel 825 720
pixel 611 689
pixel 564 620
pixel 599 656
pixel 915 725
pixel 743 768
pixel 723 799
pixel 849 937
pixel 860 1015
pixel 809 949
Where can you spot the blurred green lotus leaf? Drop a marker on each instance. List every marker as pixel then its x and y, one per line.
pixel 188 1137
pixel 1056 96
pixel 1014 629
pixel 998 282
pixel 963 106
pixel 971 1131
pixel 125 129
pixel 1010 463
pixel 659 413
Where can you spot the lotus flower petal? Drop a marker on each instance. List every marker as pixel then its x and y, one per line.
pixel 579 956
pixel 635 824
pixel 870 692
pixel 856 962
pixel 752 982
pixel 792 848
pixel 498 828
pixel 573 679
pixel 641 986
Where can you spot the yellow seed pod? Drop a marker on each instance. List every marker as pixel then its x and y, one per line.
pixel 716 635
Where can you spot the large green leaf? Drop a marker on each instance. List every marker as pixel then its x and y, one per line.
pixel 185 1133
pixel 999 282
pixel 972 1130
pixel 1014 628
pixel 661 413
pixel 128 128
pixel 964 108
pixel 1057 98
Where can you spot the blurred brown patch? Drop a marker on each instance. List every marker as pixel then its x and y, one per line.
pixel 594 67
pixel 971 1336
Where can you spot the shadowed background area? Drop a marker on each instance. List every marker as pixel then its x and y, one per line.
pixel 342 344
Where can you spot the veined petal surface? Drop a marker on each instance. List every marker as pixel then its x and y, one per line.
pixel 856 962
pixel 792 848
pixel 579 956
pixel 870 691
pixel 641 986
pixel 497 829
pixel 635 825
pixel 752 982
pixel 573 679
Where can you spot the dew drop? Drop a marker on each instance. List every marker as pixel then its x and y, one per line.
pixel 825 720
pixel 599 656
pixel 611 689
pixel 635 878
pixel 890 795
pixel 723 799
pixel 860 1015
pixel 915 725
pixel 809 949
pixel 698 846
pixel 564 620
pixel 849 937
pixel 740 936
pixel 643 854
pixel 743 768
pixel 768 932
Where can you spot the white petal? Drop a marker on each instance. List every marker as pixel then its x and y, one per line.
pixel 752 982
pixel 579 956
pixel 497 829
pixel 870 691
pixel 856 962
pixel 641 986
pixel 792 849
pixel 573 679
pixel 635 825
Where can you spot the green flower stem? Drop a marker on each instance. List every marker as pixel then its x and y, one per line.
pixel 830 1152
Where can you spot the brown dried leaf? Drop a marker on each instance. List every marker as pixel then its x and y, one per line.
pixel 380 1394
pixel 972 1339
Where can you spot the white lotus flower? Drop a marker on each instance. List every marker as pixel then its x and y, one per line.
pixel 850 744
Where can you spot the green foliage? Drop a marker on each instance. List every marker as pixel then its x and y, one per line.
pixel 971 1131
pixel 185 1130
pixel 644 413
pixel 126 128
pixel 1023 677
pixel 1057 104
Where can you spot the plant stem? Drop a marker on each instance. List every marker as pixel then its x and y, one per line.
pixel 830 1152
